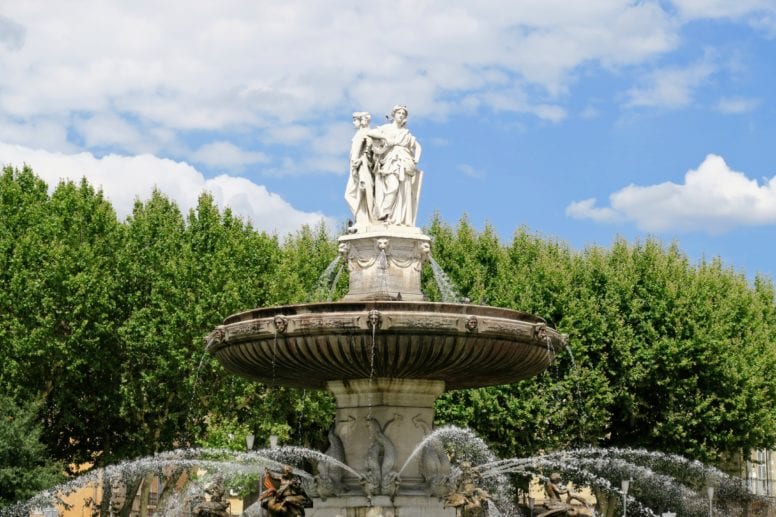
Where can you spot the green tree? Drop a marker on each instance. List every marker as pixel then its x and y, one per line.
pixel 666 355
pixel 25 466
pixel 60 322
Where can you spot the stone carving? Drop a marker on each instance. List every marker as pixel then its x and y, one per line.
pixel 468 499
pixel 373 319
pixel 118 495
pixel 386 255
pixel 329 479
pixel 472 324
pixel 424 251
pixel 380 476
pixel 243 329
pixel 360 189
pixel 434 463
pixel 216 337
pixel 281 324
pixel 554 504
pixel 384 181
pixel 431 324
pixel 283 494
pixel 357 260
pixel 216 507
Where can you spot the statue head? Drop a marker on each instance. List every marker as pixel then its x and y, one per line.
pixel 399 114
pixel 361 119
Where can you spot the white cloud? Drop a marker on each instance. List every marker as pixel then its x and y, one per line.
pixel 670 87
pixel 124 179
pixel 721 8
pixel 12 34
pixel 256 63
pixel 586 209
pixel 227 155
pixel 470 171
pixel 737 105
pixel 713 198
pixel 107 129
pixel 139 77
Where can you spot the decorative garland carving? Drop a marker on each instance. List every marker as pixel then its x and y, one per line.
pixel 397 256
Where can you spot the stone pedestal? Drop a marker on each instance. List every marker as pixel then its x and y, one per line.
pixel 381 422
pixel 385 262
pixel 395 414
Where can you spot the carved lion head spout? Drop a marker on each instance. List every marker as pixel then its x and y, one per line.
pixel 424 250
pixel 382 244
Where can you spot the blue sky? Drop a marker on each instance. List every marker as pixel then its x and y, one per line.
pixel 581 119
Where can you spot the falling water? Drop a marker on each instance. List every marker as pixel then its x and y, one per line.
pixel 580 403
pixel 664 482
pixel 334 284
pixel 300 417
pixel 372 347
pixel 446 287
pixel 382 272
pixel 661 482
pixel 186 437
pixel 221 461
pixel 326 283
pixel 274 356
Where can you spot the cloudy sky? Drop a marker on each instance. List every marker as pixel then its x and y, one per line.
pixel 580 119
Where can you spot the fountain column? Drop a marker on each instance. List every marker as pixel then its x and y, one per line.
pixel 381 421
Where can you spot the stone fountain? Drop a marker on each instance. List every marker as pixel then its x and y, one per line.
pixel 383 350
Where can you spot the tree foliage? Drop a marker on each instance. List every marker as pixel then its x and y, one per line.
pixel 664 354
pixel 25 466
pixel 103 321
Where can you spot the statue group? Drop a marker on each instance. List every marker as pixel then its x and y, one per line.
pixel 384 181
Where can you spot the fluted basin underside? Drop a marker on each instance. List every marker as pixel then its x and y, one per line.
pixel 304 346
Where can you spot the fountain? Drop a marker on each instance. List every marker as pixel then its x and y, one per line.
pixel 383 350
pixel 386 354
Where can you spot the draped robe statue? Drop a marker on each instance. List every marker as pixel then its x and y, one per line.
pixel 396 176
pixel 360 190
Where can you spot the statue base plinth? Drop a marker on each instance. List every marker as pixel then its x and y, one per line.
pixel 384 262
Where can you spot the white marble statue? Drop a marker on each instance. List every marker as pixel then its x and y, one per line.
pixel 396 176
pixel 359 192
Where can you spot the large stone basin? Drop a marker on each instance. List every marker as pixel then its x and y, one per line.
pixel 307 346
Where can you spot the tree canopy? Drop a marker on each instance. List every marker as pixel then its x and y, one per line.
pixel 102 320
